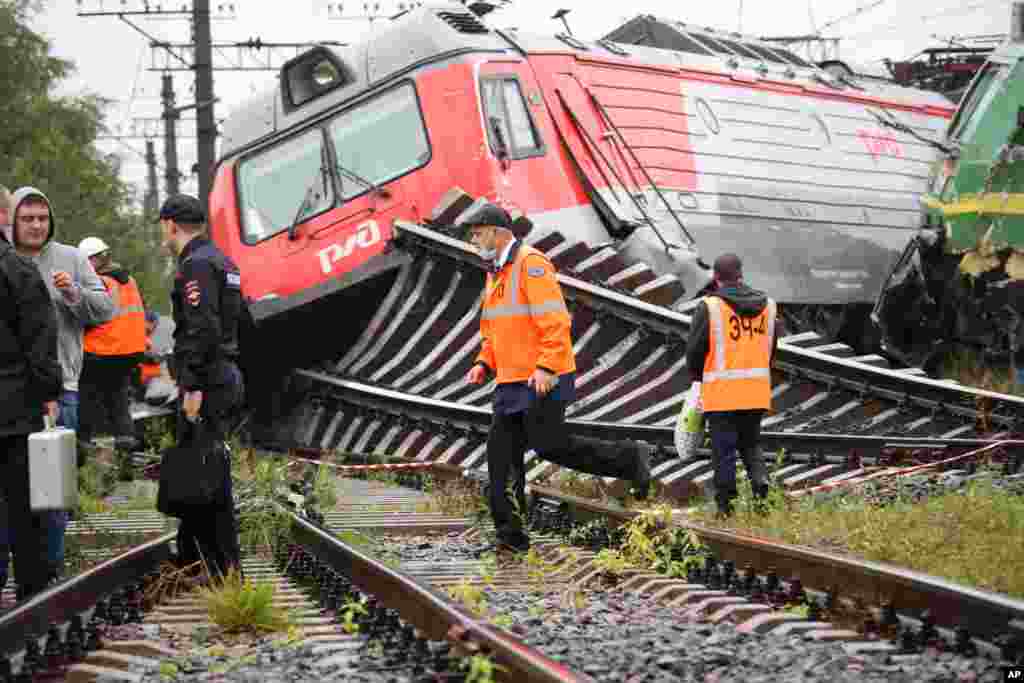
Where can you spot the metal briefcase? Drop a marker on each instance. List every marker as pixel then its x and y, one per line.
pixel 53 468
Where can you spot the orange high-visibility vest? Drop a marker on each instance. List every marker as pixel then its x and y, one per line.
pixel 125 333
pixel 737 375
pixel 524 322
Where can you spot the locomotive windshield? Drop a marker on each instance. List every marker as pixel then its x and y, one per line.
pixel 380 140
pixel 273 182
pixel 376 142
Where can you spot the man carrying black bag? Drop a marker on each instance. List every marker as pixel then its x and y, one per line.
pixel 207 303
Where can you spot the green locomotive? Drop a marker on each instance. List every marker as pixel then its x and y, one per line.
pixel 960 281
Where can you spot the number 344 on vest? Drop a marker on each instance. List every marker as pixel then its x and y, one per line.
pixel 737 375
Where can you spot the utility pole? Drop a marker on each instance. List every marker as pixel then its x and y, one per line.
pixel 170 135
pixel 152 194
pixel 206 127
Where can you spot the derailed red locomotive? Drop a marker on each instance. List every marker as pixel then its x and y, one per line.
pixel 708 142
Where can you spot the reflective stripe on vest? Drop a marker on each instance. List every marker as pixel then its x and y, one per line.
pixel 513 307
pixel 726 388
pixel 125 333
pixel 522 335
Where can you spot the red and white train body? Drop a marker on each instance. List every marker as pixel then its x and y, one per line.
pixel 748 148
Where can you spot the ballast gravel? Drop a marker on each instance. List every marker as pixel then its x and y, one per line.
pixel 611 636
pixel 920 487
pixel 626 638
pixel 358 660
pixel 629 639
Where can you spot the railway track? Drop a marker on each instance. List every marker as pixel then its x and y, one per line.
pixel 832 410
pixel 415 631
pixel 747 586
pixel 745 581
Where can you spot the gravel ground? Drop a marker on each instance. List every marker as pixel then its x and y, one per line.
pixel 624 638
pixel 917 488
pixel 613 637
pixel 629 639
pixel 358 660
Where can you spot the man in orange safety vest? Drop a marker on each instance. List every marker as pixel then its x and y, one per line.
pixel 527 347
pixel 112 352
pixel 732 344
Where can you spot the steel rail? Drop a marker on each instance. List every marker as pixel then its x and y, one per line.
pixel 852 375
pixel 478 419
pixel 76 595
pixel 419 604
pixel 984 613
pixel 426 609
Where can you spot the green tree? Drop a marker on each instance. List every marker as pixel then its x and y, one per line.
pixel 48 141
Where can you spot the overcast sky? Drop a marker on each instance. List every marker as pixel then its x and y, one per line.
pixel 112 59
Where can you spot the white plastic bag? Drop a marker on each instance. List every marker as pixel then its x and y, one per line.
pixel 689 432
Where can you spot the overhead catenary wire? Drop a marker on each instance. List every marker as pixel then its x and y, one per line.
pixel 957 10
pixel 856 13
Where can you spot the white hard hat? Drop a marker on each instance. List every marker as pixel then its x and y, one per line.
pixel 91 246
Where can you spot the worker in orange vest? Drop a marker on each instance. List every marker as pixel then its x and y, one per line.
pixel 112 352
pixel 732 344
pixel 527 347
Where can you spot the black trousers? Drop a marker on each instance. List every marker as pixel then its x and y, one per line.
pixel 733 432
pixel 210 532
pixel 104 396
pixel 542 428
pixel 29 530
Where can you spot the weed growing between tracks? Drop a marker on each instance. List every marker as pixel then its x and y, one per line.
pixel 259 481
pixel 237 604
pixel 970 535
pixel 458 498
pixel 650 541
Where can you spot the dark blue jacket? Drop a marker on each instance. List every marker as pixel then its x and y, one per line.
pixel 30 372
pixel 207 302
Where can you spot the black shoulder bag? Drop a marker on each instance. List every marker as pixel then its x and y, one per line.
pixel 192 474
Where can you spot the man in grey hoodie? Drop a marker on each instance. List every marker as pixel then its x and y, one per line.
pixel 80 299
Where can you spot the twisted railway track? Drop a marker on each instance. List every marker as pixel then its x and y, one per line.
pixel 401 389
pixel 630 346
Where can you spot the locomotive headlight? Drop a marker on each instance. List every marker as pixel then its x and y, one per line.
pixel 312 74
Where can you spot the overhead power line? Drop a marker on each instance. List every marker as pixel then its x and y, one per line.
pixel 958 10
pixel 856 13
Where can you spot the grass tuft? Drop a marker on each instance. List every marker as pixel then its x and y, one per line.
pixel 259 481
pixel 458 498
pixel 237 604
pixel 963 535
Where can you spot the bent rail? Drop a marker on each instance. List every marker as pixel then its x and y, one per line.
pixel 448 414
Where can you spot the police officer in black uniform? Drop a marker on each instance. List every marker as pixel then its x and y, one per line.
pixel 207 302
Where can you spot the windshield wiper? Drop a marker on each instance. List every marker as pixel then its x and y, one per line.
pixel 294 227
pixel 890 121
pixel 352 175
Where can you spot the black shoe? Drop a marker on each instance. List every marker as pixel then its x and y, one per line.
pixel 642 478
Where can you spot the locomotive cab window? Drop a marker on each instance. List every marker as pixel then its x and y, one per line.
pixel 510 128
pixel 274 182
pixel 378 141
